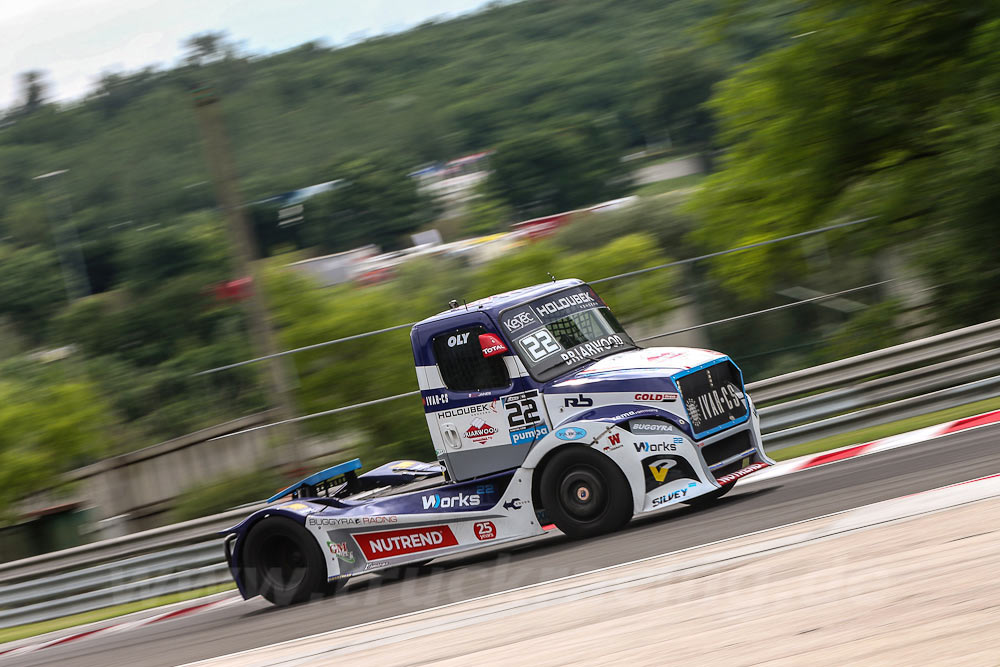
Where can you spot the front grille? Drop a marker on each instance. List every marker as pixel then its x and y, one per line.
pixel 713 397
pixel 721 450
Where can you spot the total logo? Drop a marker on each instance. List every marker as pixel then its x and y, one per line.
pixel 485 530
pixel 388 543
pixel 479 431
pixel 437 501
pixel 658 446
pixel 656 397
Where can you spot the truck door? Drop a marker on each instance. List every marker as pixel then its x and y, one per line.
pixel 483 408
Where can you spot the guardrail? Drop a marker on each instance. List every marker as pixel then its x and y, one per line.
pixel 890 384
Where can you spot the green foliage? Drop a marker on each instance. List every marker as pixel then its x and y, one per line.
pixel 31 289
pixel 548 172
pixel 376 202
pixel 226 493
pixel 679 84
pixel 871 329
pixel 486 213
pixel 46 427
pixel 875 109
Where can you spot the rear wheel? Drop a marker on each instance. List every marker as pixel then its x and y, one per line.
pixel 585 493
pixel 284 563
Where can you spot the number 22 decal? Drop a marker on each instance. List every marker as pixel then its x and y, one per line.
pixel 522 412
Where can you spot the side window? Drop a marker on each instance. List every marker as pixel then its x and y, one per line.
pixel 462 364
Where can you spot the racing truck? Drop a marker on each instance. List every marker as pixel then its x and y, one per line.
pixel 542 411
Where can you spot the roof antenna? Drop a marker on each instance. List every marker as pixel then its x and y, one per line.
pixel 466 304
pixel 551 276
pixel 453 304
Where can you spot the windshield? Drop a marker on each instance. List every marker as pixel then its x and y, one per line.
pixel 563 331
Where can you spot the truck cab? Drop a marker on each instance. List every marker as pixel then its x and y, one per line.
pixel 501 375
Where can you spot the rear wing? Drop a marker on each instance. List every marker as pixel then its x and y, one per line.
pixel 320 483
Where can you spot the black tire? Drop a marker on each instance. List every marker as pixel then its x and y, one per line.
pixel 584 493
pixel 710 497
pixel 283 562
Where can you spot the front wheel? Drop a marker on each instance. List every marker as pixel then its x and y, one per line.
pixel 283 562
pixel 585 493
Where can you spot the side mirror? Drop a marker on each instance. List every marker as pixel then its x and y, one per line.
pixel 491 345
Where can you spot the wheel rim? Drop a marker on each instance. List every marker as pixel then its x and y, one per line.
pixel 583 493
pixel 283 562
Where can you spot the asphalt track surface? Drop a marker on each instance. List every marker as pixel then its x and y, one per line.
pixel 803 495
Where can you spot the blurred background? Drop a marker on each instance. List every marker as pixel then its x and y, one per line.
pixel 175 219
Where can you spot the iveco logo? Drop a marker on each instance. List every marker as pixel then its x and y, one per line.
pixel 437 501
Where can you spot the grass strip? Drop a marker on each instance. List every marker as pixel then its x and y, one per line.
pixel 41 627
pixel 885 430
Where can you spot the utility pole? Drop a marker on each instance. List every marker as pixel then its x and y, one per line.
pixel 223 170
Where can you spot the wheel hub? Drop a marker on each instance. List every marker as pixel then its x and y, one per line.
pixel 583 493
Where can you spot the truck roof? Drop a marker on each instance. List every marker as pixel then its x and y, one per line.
pixel 498 302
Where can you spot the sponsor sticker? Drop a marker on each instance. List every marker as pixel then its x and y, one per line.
pixel 530 434
pixel 659 469
pixel 733 476
pixel 351 520
pixel 571 433
pixel 656 397
pixel 579 401
pixel 477 409
pixel 566 304
pixel 673 495
pixel 458 339
pixel 485 530
pixel 658 446
pixel 651 427
pixel 517 321
pixel 479 431
pixel 514 504
pixel 585 351
pixel 341 551
pixel 455 500
pixel 491 345
pixel 389 543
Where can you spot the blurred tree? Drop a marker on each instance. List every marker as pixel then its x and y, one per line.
pixel 540 173
pixel 31 289
pixel 205 47
pixel 485 213
pixel 375 202
pixel 33 91
pixel 874 109
pixel 46 429
pixel 679 83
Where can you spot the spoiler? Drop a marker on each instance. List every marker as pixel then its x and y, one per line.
pixel 342 473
